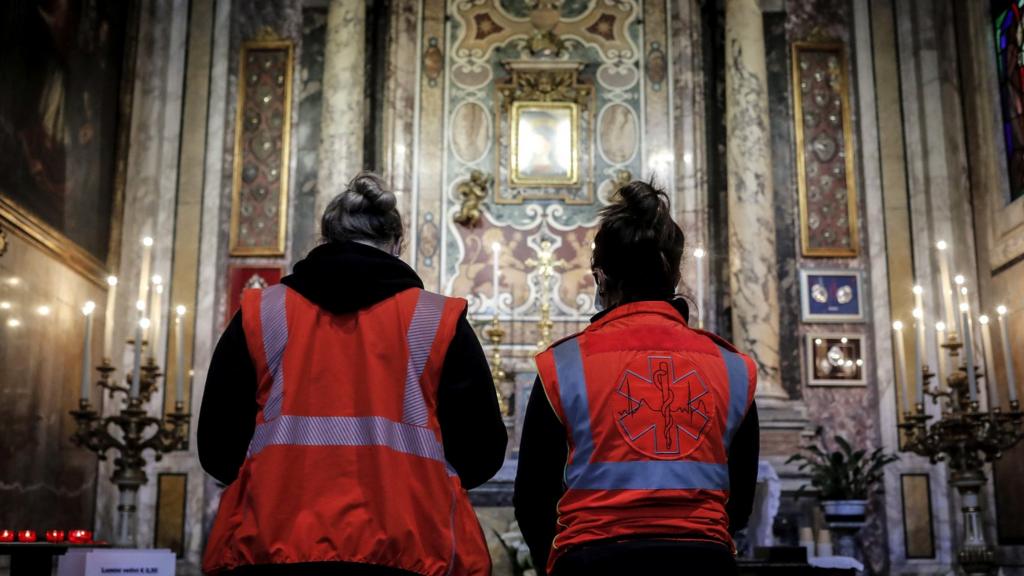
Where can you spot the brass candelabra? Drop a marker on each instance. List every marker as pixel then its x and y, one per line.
pixel 134 431
pixel 496 334
pixel 965 437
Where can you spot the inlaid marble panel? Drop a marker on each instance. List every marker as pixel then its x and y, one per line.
pixel 259 216
pixel 606 39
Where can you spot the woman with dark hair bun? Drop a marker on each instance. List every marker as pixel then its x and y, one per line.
pixel 640 445
pixel 348 410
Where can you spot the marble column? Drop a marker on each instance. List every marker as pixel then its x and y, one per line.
pixel 342 117
pixel 752 267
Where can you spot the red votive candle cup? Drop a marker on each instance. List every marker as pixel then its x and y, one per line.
pixel 55 536
pixel 6 535
pixel 80 536
pixel 26 535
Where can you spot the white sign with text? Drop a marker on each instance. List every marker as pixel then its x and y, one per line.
pixel 116 563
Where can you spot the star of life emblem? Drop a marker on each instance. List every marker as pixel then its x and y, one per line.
pixel 664 414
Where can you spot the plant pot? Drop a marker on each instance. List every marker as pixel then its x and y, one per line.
pixel 845 511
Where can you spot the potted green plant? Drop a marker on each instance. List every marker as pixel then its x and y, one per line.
pixel 844 477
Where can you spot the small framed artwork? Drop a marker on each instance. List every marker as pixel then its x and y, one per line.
pixel 544 136
pixel 835 360
pixel 831 296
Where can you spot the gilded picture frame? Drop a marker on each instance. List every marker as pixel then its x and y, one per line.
pixel 826 180
pixel 836 359
pixel 544 86
pixel 105 126
pixel 831 296
pixel 541 134
pixel 259 194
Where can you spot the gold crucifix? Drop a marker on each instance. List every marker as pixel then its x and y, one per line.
pixel 545 264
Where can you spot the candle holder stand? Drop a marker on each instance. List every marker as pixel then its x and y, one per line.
pixel 964 437
pixel 495 334
pixel 133 433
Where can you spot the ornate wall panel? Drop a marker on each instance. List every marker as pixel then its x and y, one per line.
pixel 263 126
pixel 824 150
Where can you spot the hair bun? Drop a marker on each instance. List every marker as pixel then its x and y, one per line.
pixel 374 194
pixel 643 201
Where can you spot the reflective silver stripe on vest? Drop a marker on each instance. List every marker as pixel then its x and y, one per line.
pixel 422 331
pixel 582 474
pixel 738 389
pixel 275 337
pixel 347 431
pixel 409 437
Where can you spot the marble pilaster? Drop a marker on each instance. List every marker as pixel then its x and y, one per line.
pixel 305 223
pixel 212 254
pixel 752 266
pixel 691 206
pixel 342 117
pixel 401 82
pixel 149 208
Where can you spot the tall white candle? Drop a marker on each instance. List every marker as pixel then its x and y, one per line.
pixel 1011 378
pixel 155 313
pixel 108 318
pixel 495 273
pixel 991 384
pixel 179 355
pixel 919 344
pixel 965 321
pixel 699 255
pixel 147 256
pixel 945 265
pixel 140 330
pixel 960 296
pixel 87 310
pixel 901 362
pixel 940 337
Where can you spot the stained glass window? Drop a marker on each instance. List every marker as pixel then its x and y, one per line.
pixel 1009 36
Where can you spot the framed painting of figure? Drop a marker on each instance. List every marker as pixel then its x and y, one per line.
pixel 64 109
pixel 544 143
pixel 831 296
pixel 835 360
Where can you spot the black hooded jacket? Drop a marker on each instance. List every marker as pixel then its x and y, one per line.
pixel 343 278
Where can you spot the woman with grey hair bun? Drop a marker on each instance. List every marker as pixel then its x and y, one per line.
pixel 348 410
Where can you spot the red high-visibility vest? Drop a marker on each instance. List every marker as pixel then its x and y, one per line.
pixel 649 407
pixel 346 463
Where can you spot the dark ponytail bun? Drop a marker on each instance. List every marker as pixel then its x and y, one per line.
pixel 366 210
pixel 373 196
pixel 638 245
pixel 643 201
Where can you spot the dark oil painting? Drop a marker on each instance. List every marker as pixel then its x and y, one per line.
pixel 61 63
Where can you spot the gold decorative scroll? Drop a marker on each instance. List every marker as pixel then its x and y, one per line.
pixel 824 150
pixel 259 196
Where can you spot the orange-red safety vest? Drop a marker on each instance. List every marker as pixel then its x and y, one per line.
pixel 346 463
pixel 649 407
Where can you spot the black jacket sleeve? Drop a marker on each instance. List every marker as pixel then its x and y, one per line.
pixel 227 417
pixel 472 430
pixel 543 453
pixel 743 456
